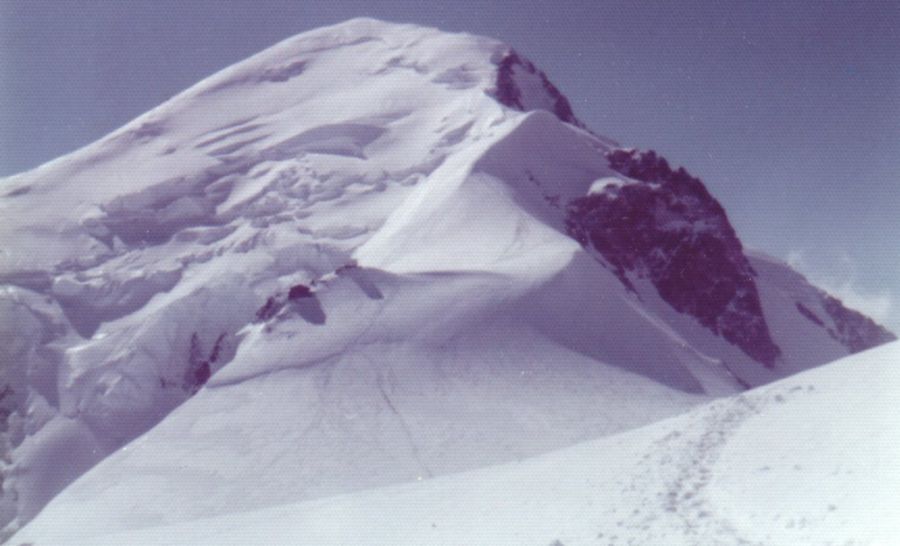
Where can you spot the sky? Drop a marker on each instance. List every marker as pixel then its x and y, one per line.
pixel 789 111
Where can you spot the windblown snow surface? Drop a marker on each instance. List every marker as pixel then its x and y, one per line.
pixel 354 260
pixel 812 459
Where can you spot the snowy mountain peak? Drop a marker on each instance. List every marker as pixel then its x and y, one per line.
pixel 364 241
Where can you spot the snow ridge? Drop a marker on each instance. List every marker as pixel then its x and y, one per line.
pixel 367 234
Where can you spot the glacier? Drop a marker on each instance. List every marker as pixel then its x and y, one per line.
pixel 372 254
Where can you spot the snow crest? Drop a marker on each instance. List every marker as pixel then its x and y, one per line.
pixel 345 263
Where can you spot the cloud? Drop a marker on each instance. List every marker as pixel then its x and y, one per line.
pixel 839 278
pixel 797 260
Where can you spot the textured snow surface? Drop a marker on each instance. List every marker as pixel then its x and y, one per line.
pixel 340 264
pixel 812 459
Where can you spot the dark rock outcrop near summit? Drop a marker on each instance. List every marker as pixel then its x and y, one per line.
pixel 663 225
pixel 514 72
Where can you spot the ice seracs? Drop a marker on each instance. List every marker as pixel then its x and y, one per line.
pixel 350 261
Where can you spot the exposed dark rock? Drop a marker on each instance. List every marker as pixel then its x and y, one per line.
pixel 666 227
pixel 854 330
pixel 508 91
pixel 199 368
pixel 804 310
pixel 299 291
pixel 5 409
pixel 300 299
pixel 269 309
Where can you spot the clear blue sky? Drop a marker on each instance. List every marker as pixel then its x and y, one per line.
pixel 789 111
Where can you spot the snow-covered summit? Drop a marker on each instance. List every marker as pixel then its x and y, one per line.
pixel 350 261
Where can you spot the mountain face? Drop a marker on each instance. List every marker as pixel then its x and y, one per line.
pixel 370 254
pixel 668 228
pixel 522 86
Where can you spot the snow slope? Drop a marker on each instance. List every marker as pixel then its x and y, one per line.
pixel 775 466
pixel 343 263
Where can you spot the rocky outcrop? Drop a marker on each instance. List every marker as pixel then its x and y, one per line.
pixel 850 328
pixel 854 330
pixel 520 85
pixel 663 225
